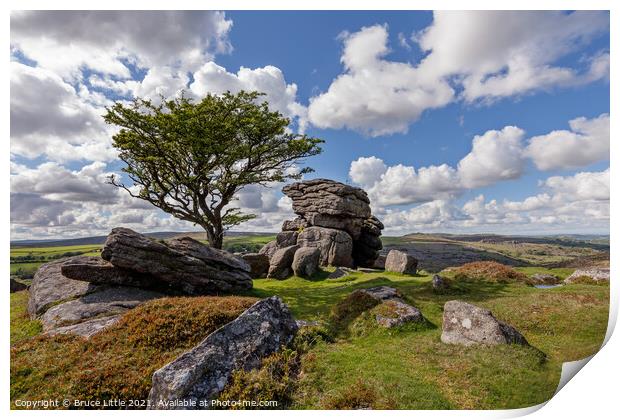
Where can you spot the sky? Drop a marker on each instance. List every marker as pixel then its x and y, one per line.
pixel 494 122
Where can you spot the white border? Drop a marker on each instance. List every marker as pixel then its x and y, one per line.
pixel 592 394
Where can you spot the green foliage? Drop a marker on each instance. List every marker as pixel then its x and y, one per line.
pixel 190 159
pixel 119 361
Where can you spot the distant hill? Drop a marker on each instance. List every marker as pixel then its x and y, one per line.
pixel 96 240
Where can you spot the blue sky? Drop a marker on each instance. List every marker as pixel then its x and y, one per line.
pixel 398 96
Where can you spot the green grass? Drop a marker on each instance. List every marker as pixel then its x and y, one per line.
pixel 403 368
pixel 22 327
pixel 413 369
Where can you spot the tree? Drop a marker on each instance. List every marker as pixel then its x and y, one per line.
pixel 190 158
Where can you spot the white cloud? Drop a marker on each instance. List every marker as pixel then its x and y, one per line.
pixel 482 55
pixel 376 96
pixel 105 41
pixel 581 186
pixel 505 53
pixel 587 142
pixel 495 156
pixel 48 117
pixel 366 171
pixel 211 78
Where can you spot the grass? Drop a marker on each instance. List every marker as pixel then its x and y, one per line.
pixel 397 368
pixel 118 362
pixel 22 327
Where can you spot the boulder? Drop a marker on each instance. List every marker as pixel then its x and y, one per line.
pixel 269 249
pixel 335 245
pixel 108 302
pixel 99 271
pixel 88 328
pixel 595 273
pixel 259 264
pixel 306 262
pixel 280 263
pixel 298 224
pixel 49 286
pixel 383 292
pixel 17 286
pixel 331 204
pixel 284 239
pixel 438 283
pixel 466 324
pixel 379 262
pixel 184 263
pixel 543 279
pixel 199 375
pixel 400 262
pixel 394 313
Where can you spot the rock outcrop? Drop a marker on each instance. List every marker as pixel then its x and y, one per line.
pixel 336 246
pixel 467 324
pixel 281 261
pixel 259 264
pixel 333 217
pixel 306 261
pixel 199 375
pixel 543 279
pixel 84 294
pixel 184 264
pixel 401 262
pixel 49 287
pixel 597 274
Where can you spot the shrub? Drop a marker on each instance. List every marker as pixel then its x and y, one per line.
pixel 361 395
pixel 488 271
pixel 588 280
pixel 345 312
pixel 275 380
pixel 119 361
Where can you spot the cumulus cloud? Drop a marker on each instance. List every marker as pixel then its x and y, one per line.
pixel 376 96
pixel 492 55
pixel 49 117
pixel 495 156
pixel 504 53
pixel 108 41
pixel 576 202
pixel 211 78
pixel 585 143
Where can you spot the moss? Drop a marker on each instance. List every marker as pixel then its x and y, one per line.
pixel 119 361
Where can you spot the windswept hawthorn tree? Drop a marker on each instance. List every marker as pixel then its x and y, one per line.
pixel 191 158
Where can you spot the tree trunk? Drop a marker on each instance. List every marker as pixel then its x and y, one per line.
pixel 215 236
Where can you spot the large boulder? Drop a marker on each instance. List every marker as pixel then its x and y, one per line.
pixel 280 263
pixel 467 324
pixel 597 274
pixel 284 239
pixel 99 271
pixel 108 302
pixel 331 204
pixel 400 262
pixel 198 376
pixel 183 263
pixel 259 264
pixel 336 246
pixel 269 249
pixel 49 287
pixel 379 263
pixel 306 261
